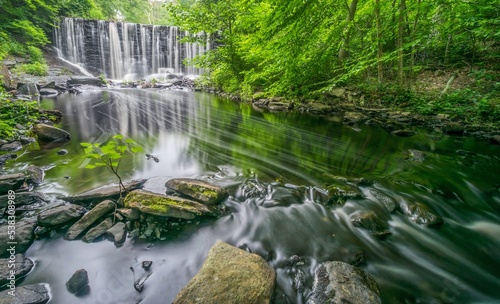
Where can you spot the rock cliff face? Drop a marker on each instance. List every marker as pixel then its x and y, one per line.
pixel 124 50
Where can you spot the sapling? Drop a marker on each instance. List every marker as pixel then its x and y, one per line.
pixel 110 155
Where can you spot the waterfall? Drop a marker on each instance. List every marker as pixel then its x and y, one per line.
pixel 124 51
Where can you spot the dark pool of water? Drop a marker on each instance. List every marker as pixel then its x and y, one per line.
pixel 296 157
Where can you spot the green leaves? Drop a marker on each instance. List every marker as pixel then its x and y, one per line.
pixel 109 154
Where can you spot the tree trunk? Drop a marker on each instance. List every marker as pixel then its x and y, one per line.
pixel 401 20
pixel 380 66
pixel 345 40
pixel 413 37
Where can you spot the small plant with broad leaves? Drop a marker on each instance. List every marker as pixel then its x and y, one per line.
pixel 110 155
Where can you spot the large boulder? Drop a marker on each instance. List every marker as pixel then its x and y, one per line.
pixel 23 238
pixel 230 275
pixel 60 215
pixel 339 282
pixel 5 77
pixel 163 205
pixel 198 190
pixel 29 89
pixel 11 182
pixel 99 211
pixel 32 294
pixel 84 80
pixel 105 192
pixel 20 265
pixel 78 282
pixel 48 133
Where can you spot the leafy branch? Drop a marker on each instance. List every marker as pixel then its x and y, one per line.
pixel 110 155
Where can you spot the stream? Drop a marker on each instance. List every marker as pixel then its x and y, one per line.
pixel 292 160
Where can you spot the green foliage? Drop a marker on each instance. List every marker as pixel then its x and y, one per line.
pixel 35 68
pixel 110 154
pixel 16 112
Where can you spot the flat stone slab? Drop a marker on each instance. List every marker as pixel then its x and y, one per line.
pixel 198 190
pixel 339 282
pixel 30 294
pixel 84 80
pixel 230 275
pixel 98 230
pixel 99 211
pixel 23 198
pixel 105 192
pixel 163 205
pixel 60 215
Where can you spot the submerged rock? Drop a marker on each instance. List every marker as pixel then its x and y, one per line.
pixel 48 133
pixel 371 222
pixel 99 211
pixel 199 190
pixel 338 282
pixel 32 294
pixel 386 200
pixel 60 215
pixel 11 182
pixel 21 267
pixel 420 214
pixel 79 282
pixel 163 205
pixel 230 275
pixel 339 194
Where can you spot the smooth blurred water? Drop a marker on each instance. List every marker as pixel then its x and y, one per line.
pixel 296 158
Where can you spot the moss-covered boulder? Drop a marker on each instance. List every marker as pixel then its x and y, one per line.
pixel 230 275
pixel 48 133
pixel 198 190
pixel 164 205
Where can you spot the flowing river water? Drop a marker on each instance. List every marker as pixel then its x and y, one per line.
pixel 292 160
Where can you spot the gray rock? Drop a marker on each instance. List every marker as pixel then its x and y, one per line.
pixel 388 201
pixel 371 222
pixel 98 230
pixel 12 146
pixel 84 80
pixel 78 282
pixel 198 190
pixel 130 214
pixel 11 182
pixel 339 282
pixel 354 117
pixel 24 237
pixel 106 192
pixel 420 214
pixel 48 133
pixel 35 175
pixel 340 193
pixel 23 198
pixel 48 92
pixel 60 215
pixel 62 152
pixel 117 233
pixel 29 89
pixel 403 133
pixel 5 157
pixel 319 108
pixel 162 205
pixel 22 266
pixel 100 210
pixel 26 140
pixel 30 294
pixel 230 275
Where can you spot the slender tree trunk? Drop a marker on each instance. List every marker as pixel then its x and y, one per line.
pixel 401 21
pixel 345 41
pixel 380 66
pixel 413 37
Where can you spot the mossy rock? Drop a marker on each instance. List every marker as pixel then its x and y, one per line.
pixel 164 205
pixel 198 190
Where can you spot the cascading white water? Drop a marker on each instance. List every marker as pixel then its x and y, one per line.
pixel 124 50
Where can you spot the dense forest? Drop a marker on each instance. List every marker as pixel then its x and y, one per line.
pixel 302 49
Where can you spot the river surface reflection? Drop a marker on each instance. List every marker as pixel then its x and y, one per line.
pixel 297 159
